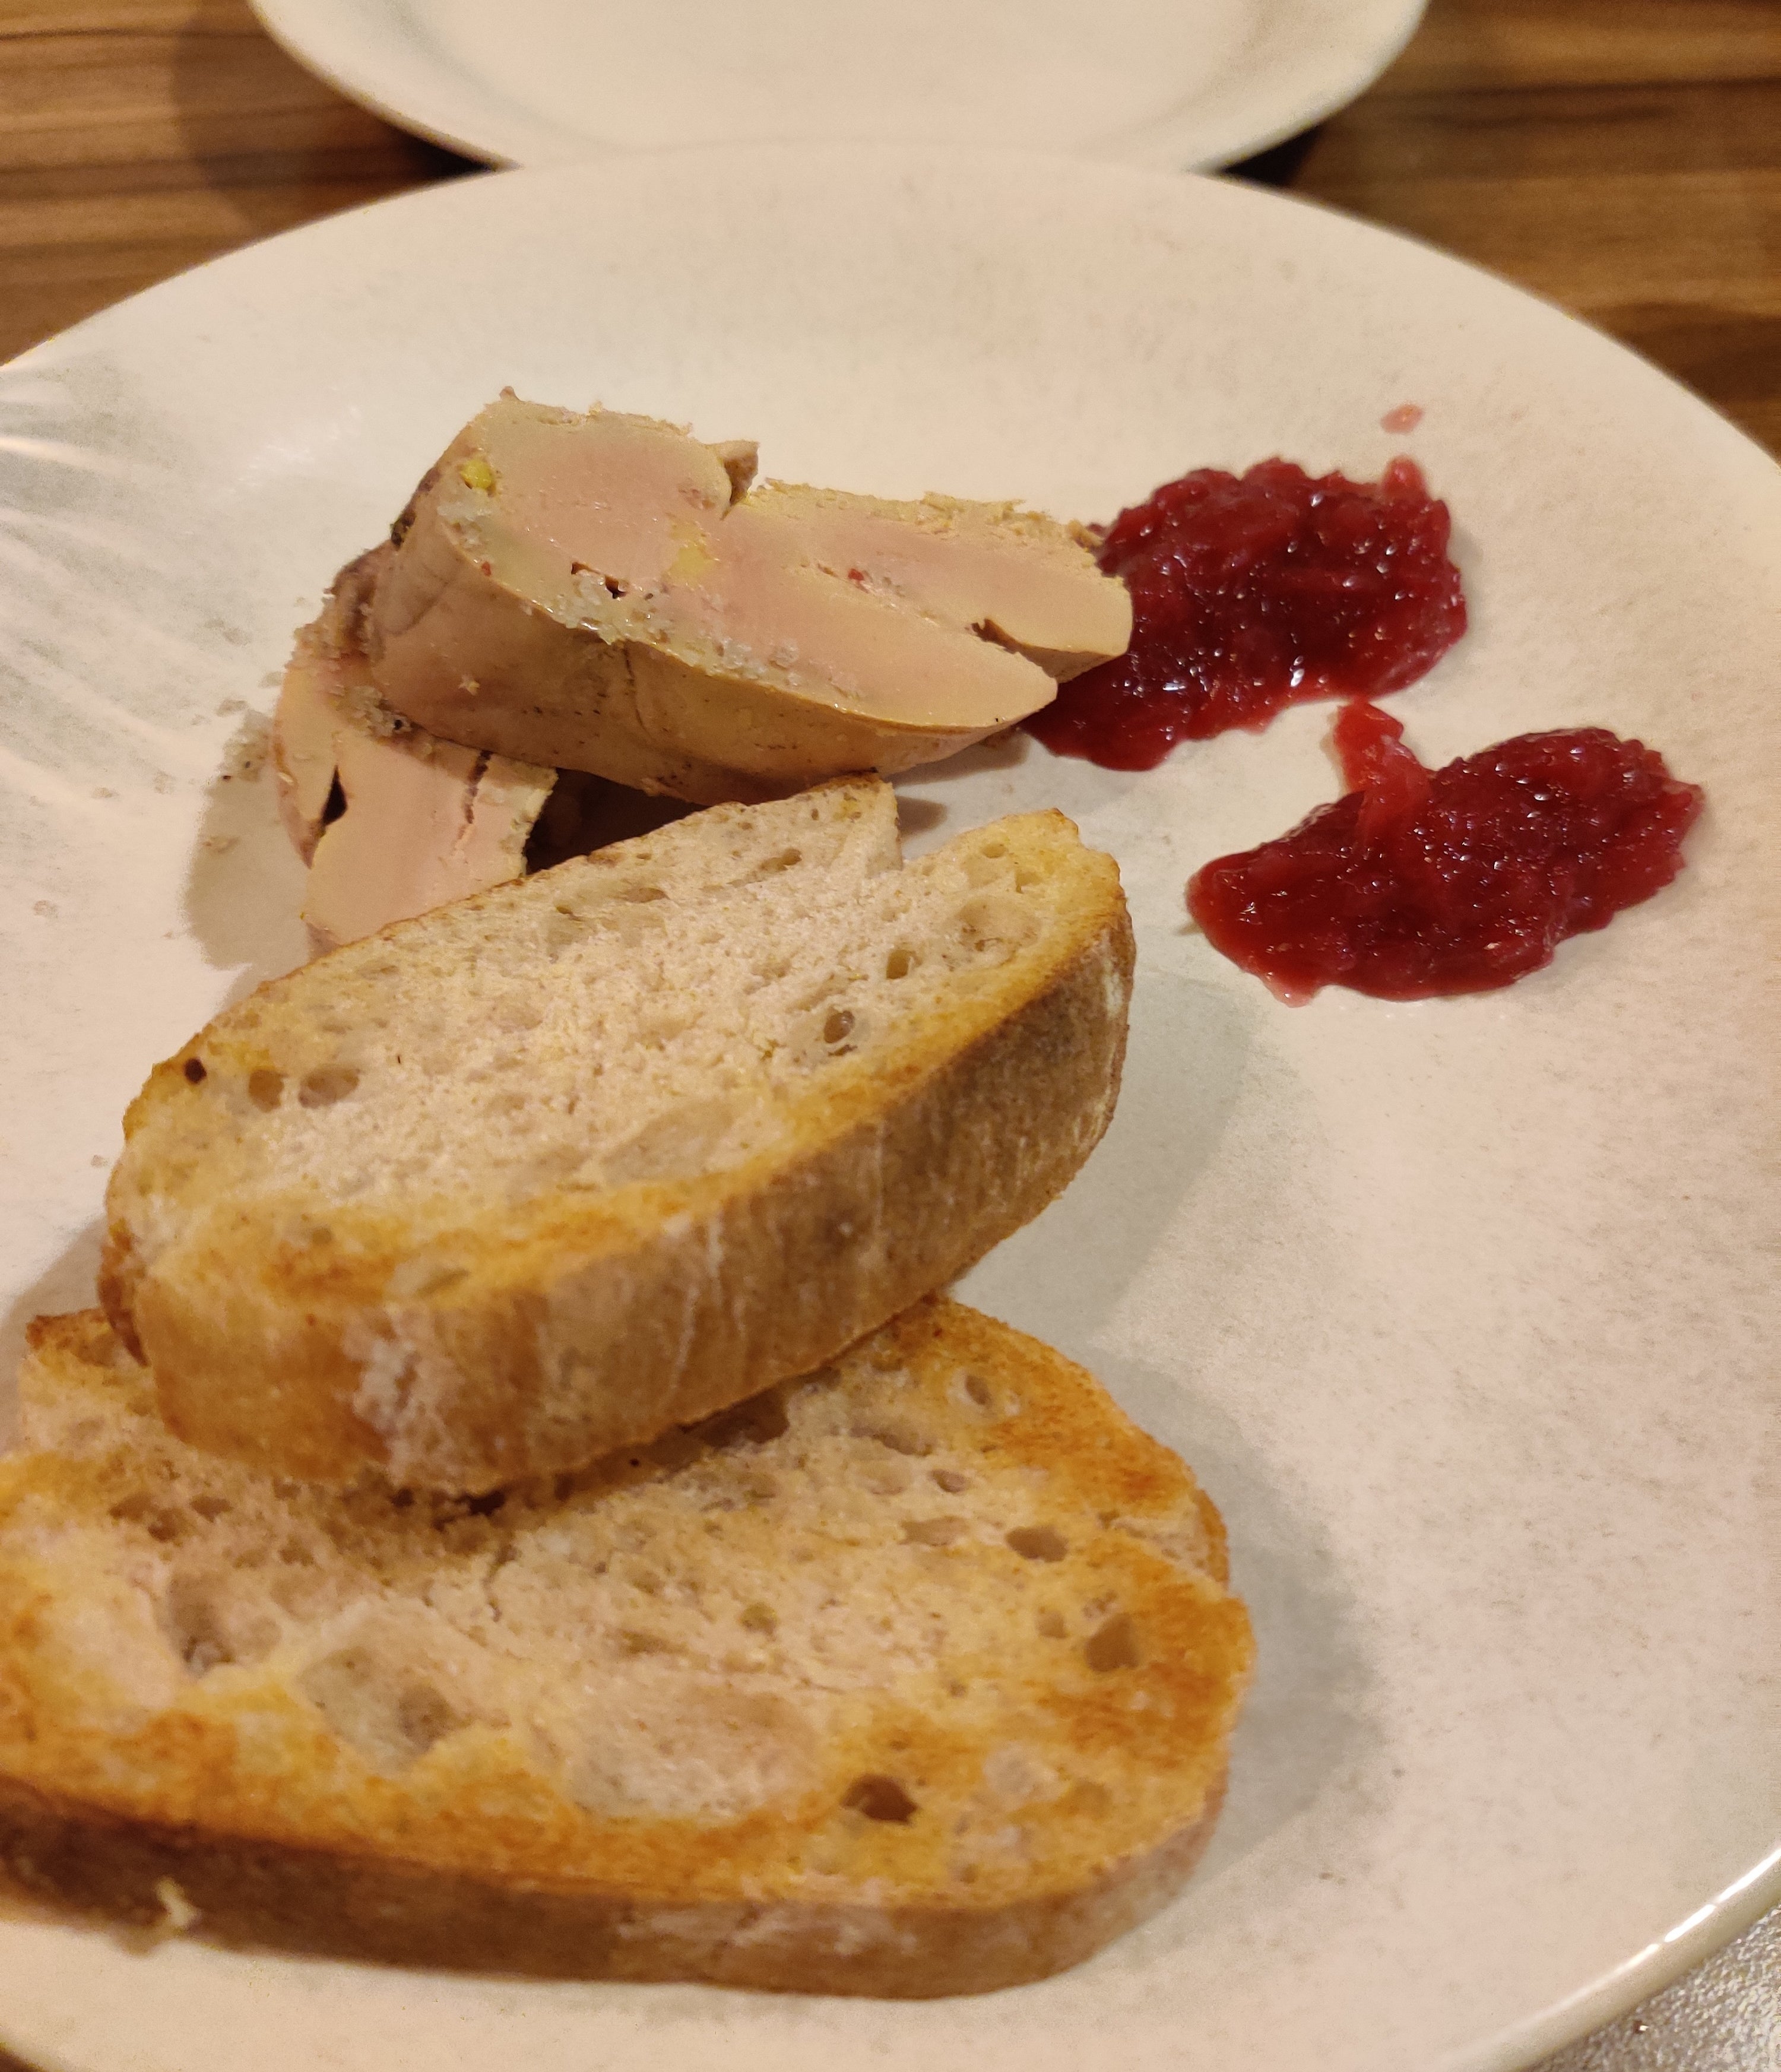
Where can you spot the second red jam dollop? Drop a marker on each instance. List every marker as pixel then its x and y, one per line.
pixel 1252 592
pixel 1458 880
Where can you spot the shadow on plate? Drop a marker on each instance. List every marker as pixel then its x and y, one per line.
pixel 1278 166
pixel 1304 1725
pixel 280 144
pixel 1066 1277
pixel 244 890
pixel 919 818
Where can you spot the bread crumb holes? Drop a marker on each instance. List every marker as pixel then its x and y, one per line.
pixel 935 1531
pixel 327 1084
pixel 879 1798
pixel 1112 1645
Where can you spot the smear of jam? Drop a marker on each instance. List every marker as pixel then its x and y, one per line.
pixel 1457 880
pixel 1252 592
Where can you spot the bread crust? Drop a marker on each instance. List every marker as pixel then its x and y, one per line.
pixel 372 1909
pixel 584 1325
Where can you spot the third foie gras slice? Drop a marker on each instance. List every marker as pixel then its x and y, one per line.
pixel 606 593
pixel 391 820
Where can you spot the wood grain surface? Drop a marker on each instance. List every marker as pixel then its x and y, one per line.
pixel 1621 157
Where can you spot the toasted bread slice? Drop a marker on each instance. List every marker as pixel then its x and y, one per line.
pixel 552 1170
pixel 912 1677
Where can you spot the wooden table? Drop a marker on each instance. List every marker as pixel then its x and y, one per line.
pixel 1623 157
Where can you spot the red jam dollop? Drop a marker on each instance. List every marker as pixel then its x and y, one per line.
pixel 1458 880
pixel 1252 592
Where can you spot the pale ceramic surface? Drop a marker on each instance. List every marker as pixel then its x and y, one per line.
pixel 1457 1307
pixel 1173 83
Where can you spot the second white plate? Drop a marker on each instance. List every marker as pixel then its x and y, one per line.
pixel 1171 83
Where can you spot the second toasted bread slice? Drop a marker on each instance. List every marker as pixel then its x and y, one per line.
pixel 546 1172
pixel 914 1676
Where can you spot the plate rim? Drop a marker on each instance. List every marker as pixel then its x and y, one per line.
pixel 1192 178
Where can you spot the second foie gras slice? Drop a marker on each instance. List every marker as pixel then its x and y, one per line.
pixel 545 1173
pixel 605 593
pixel 391 820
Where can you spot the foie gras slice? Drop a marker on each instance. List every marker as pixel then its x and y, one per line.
pixel 324 680
pixel 605 593
pixel 425 821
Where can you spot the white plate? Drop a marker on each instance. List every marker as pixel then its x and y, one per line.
pixel 1172 84
pixel 1463 1309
